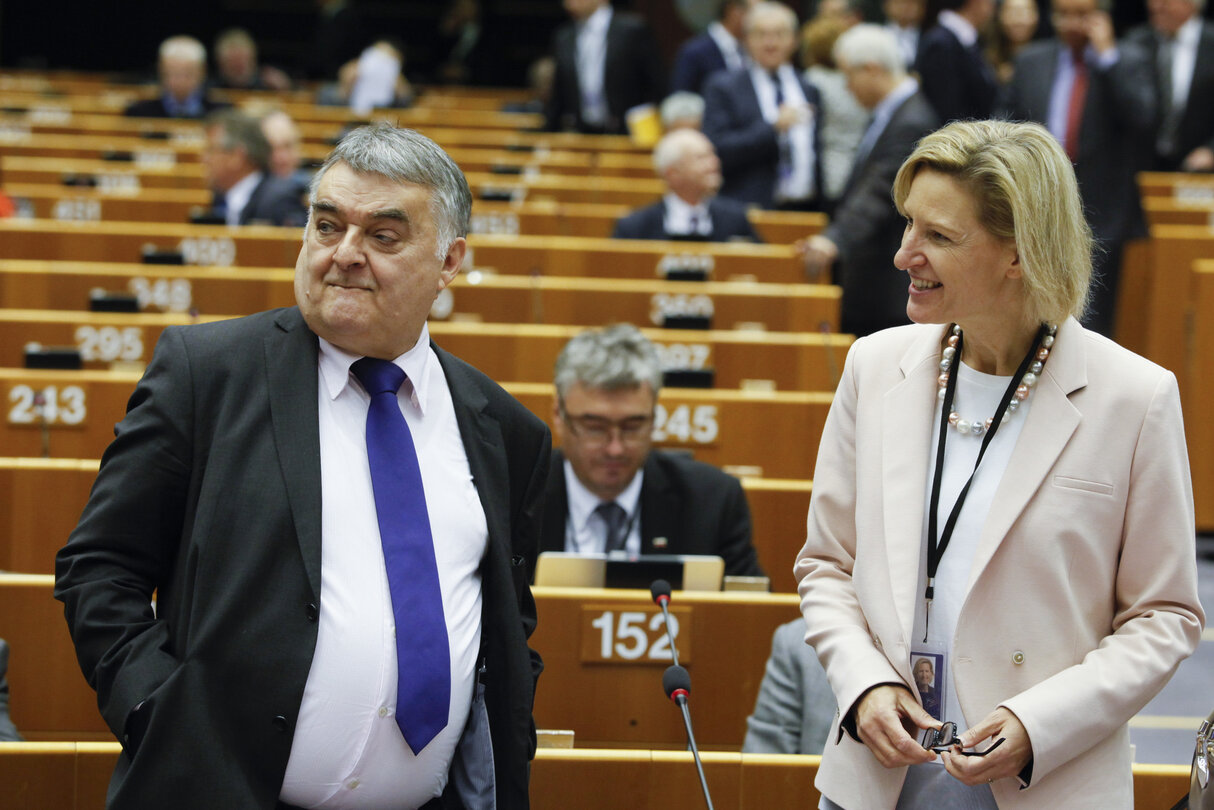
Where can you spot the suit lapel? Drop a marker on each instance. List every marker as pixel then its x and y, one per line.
pixel 482 438
pixel 290 357
pixel 1051 422
pixel 908 409
pixel 556 506
pixel 246 213
pixel 658 511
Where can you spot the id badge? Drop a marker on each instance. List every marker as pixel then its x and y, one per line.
pixel 929 665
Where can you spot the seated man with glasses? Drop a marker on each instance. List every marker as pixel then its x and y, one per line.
pixel 607 489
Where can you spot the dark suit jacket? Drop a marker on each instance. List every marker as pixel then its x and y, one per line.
pixel 275 201
pixel 747 145
pixel 633 74
pixel 154 108
pixel 867 227
pixel 957 80
pixel 729 222
pixel 1196 126
pixel 1115 133
pixel 210 496
pixel 8 732
pixel 695 506
pixel 698 59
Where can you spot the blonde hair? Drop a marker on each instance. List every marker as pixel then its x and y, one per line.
pixel 1026 192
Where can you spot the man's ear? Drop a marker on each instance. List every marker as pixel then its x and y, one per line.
pixel 453 261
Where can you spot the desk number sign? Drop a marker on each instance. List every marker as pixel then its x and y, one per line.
pixel 611 635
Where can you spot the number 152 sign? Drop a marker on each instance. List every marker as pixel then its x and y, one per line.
pixel 614 636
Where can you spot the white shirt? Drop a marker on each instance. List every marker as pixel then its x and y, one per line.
pixel 798 183
pixel 585 531
pixel 1184 59
pixel 592 64
pixel 961 27
pixel 908 41
pixel 238 196
pixel 679 215
pixel 727 44
pixel 348 751
pixel 976 398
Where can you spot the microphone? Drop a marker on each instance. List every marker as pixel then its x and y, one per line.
pixel 660 590
pixel 677 684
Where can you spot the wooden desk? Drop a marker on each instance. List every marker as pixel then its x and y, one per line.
pixel 721 427
pixel 1197 399
pixel 74 776
pixel 41 500
pixel 791 361
pixel 1178 185
pixel 65 285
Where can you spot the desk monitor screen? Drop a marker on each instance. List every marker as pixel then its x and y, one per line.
pixel 684 572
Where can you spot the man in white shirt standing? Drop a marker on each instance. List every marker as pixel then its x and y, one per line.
pixel 336 518
pixel 607 63
pixel 1181 47
pixel 763 121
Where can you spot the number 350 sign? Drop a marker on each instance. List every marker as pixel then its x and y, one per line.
pixel 613 636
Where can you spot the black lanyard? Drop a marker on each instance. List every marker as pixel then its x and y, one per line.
pixel 937 543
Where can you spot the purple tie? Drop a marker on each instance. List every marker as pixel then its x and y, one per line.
pixel 423 656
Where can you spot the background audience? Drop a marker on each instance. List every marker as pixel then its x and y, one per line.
pixel 182 68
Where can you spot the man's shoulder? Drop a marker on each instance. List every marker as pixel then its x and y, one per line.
pixel 634 224
pixel 465 378
pixel 685 471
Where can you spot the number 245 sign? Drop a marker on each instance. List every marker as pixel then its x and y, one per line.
pixel 612 636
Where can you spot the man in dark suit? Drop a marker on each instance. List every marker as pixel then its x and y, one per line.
pixel 954 73
pixel 690 210
pixel 1095 97
pixel 1180 46
pixel 237 160
pixel 764 121
pixel 8 732
pixel 718 48
pixel 243 493
pixel 608 490
pixel 866 229
pixel 183 72
pixel 607 62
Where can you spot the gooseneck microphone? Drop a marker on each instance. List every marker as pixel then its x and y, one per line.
pixel 677 684
pixel 660 590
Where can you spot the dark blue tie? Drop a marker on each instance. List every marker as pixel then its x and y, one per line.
pixel 423 655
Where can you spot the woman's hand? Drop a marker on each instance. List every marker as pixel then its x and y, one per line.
pixel 888 719
pixel 1007 760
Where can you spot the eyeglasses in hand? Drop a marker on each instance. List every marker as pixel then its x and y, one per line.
pixel 945 738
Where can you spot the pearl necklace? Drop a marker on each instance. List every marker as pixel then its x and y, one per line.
pixel 973 427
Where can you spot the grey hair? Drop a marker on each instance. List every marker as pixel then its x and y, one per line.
pixel 770 8
pixel 407 156
pixel 608 359
pixel 183 47
pixel 680 105
pixel 243 132
pixel 870 44
pixel 673 146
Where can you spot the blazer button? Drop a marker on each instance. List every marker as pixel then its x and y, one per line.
pixel 312 612
pixel 280 723
pixel 1017 658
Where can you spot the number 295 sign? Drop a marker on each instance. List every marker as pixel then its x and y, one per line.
pixel 614 636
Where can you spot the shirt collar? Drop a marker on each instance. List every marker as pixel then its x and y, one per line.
pixel 680 211
pixel 1190 32
pixel 598 22
pixel 961 27
pixel 242 190
pixel 417 363
pixel 582 502
pixel 886 107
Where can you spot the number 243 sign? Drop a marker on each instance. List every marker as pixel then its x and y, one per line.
pixel 614 636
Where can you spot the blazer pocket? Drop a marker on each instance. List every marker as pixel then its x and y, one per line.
pixel 1095 487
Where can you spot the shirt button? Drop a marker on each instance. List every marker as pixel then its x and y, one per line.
pixel 1017 658
pixel 383 711
pixel 280 723
pixel 352 784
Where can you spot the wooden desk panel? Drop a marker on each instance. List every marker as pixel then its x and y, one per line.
pixel 74 776
pixel 41 501
pixel 721 427
pixel 1197 399
pixel 792 361
pixel 498 298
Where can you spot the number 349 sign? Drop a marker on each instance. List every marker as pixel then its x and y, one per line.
pixel 613 636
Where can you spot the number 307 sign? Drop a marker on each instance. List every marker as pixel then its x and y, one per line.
pixel 613 636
